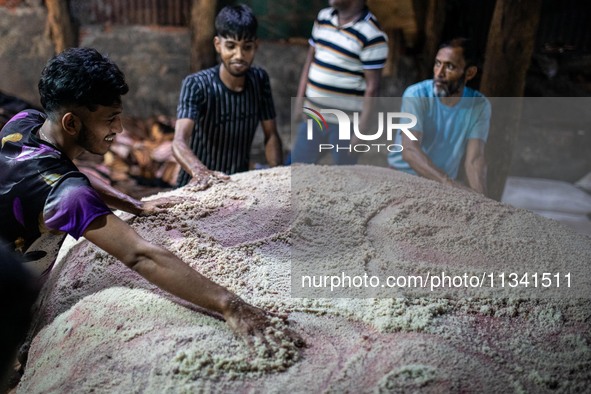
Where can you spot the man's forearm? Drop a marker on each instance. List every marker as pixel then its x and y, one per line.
pixel 372 89
pixel 423 166
pixel 476 173
pixel 366 112
pixel 168 272
pixel 273 151
pixel 113 197
pixel 187 159
pixel 155 263
pixel 304 74
pixel 475 165
pixel 301 93
pixel 118 200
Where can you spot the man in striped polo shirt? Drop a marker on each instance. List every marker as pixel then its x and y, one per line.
pixel 220 108
pixel 348 51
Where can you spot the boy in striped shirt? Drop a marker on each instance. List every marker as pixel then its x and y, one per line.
pixel 220 108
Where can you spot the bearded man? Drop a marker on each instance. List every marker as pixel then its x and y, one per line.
pixel 452 121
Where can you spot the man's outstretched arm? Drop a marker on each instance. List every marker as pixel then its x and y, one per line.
pixel 118 200
pixel 168 272
pixel 183 130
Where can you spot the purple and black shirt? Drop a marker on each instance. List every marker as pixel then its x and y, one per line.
pixel 43 195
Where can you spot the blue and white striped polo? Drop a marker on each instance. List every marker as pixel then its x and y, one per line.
pixel 342 53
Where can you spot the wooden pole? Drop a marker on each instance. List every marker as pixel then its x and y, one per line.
pixel 60 23
pixel 202 33
pixel 509 50
pixel 434 21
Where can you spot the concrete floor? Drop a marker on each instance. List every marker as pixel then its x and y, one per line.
pixel 567 203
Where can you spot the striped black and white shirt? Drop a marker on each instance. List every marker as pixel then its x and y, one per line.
pixel 225 120
pixel 342 53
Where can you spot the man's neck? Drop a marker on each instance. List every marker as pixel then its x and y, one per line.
pixel 350 14
pixel 450 101
pixel 52 133
pixel 235 84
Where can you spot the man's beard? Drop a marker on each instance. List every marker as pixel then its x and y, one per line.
pixel 83 139
pixel 237 74
pixel 449 89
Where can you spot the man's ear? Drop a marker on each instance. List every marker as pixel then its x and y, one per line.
pixel 71 123
pixel 471 72
pixel 217 43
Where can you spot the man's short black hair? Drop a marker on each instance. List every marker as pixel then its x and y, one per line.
pixel 471 55
pixel 80 77
pixel 237 22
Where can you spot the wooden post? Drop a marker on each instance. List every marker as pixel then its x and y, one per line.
pixel 434 21
pixel 509 50
pixel 395 51
pixel 60 23
pixel 203 14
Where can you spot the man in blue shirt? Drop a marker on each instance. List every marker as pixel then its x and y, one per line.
pixel 452 121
